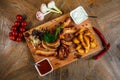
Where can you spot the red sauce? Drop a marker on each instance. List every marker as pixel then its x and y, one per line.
pixel 44 67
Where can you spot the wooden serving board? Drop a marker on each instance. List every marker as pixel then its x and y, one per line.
pixel 56 63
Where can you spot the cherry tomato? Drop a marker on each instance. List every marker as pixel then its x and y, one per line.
pixel 24 24
pixel 12 38
pixel 10 33
pixel 22 29
pixel 15 33
pixel 20 34
pixel 14 28
pixel 17 23
pixel 19 17
pixel 18 28
pixel 18 39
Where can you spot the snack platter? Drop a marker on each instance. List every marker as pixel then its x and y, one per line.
pixel 71 57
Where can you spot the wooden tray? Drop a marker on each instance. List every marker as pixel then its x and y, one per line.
pixel 56 63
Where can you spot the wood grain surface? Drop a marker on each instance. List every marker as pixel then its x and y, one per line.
pixel 17 62
pixel 57 63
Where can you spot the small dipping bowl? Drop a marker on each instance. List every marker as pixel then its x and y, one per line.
pixel 43 67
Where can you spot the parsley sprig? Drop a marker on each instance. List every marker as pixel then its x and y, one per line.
pixel 49 37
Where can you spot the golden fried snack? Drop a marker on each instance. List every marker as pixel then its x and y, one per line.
pixel 85 40
pixel 78 47
pixel 80 31
pixel 89 34
pixel 82 41
pixel 76 41
pixel 93 44
pixel 81 51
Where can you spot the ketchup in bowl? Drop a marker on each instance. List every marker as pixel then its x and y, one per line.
pixel 43 67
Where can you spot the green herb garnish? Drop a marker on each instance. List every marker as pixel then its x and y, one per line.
pixel 49 37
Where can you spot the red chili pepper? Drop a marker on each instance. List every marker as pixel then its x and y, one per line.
pixel 102 52
pixel 104 42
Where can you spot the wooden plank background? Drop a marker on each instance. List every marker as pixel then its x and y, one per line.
pixel 16 62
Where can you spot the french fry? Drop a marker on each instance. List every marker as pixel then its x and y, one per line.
pixel 76 41
pixel 85 40
pixel 90 35
pixel 81 51
pixel 78 47
pixel 80 31
pixel 93 44
pixel 86 50
pixel 82 40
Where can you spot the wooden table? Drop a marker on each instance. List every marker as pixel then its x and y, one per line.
pixel 17 62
